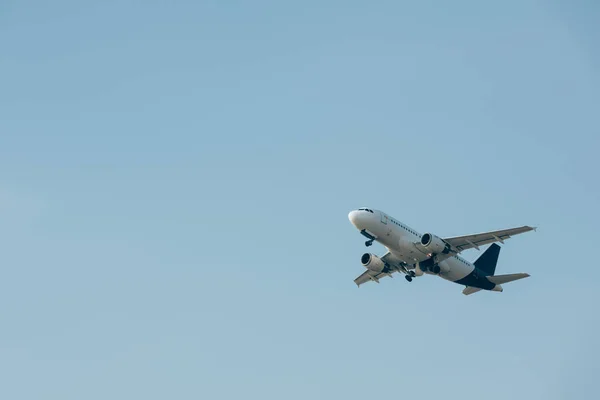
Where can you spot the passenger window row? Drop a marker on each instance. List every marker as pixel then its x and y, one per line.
pixel 405 228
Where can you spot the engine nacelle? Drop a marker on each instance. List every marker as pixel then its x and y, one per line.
pixel 426 267
pixel 430 267
pixel 434 244
pixel 372 262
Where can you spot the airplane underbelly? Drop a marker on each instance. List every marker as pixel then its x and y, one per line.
pixel 455 270
pixel 388 238
pixel 405 250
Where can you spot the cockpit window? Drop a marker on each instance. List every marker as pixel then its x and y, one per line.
pixel 365 209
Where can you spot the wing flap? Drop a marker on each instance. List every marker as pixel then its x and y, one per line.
pixel 368 276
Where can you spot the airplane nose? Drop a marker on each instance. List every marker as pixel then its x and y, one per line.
pixel 352 216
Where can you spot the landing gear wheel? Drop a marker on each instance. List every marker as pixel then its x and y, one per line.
pixel 408 278
pixel 368 243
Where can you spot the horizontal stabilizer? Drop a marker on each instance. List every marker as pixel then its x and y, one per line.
pixel 470 290
pixel 500 279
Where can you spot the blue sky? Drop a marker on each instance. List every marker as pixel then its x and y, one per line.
pixel 175 180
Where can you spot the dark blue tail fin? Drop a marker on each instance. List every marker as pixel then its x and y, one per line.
pixel 487 261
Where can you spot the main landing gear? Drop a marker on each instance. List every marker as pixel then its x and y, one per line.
pixel 409 277
pixel 369 242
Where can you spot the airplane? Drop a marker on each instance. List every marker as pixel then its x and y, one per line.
pixel 416 254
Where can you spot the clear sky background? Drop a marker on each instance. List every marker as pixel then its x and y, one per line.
pixel 175 179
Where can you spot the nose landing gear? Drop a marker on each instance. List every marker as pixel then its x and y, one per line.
pixel 368 236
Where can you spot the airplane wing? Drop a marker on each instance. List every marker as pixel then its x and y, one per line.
pixel 461 243
pixel 368 275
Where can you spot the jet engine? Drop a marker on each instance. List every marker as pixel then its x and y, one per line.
pixel 426 267
pixel 372 262
pixel 430 267
pixel 434 244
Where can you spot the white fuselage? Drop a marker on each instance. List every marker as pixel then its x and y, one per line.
pixel 401 241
